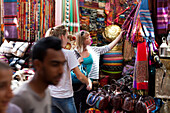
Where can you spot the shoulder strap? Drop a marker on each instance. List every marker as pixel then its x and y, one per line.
pixel 77 54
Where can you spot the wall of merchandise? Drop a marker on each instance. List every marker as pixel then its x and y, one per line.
pixel 95 15
pixel 26 20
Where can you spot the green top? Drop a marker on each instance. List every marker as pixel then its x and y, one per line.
pixel 88 61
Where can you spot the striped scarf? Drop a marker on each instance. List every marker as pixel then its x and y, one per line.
pixel 163 16
pixel 145 18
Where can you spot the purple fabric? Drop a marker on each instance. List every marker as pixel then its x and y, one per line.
pixel 10 12
pixel 10 8
pixel 10 31
pixel 163 16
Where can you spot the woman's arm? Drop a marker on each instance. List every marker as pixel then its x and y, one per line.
pixel 83 78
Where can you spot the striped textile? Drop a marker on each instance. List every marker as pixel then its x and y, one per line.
pixel 113 58
pixel 10 18
pixel 145 18
pixel 112 64
pixel 34 18
pixel 71 15
pixel 163 16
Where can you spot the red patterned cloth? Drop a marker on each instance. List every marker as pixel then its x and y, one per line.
pixel 141 67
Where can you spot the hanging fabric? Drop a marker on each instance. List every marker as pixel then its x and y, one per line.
pixel 66 13
pixel 76 20
pixel 10 15
pixel 141 67
pixel 137 31
pixel 146 21
pixel 58 12
pixel 71 15
pixel 1 18
pixel 34 17
pixel 163 18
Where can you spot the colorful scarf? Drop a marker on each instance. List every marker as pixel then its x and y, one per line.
pixel 145 18
pixel 141 68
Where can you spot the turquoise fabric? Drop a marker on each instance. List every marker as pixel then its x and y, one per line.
pixel 88 61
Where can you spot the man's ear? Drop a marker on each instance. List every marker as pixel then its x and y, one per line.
pixel 37 64
pixel 62 36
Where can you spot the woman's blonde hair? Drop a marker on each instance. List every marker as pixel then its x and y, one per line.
pixel 80 37
pixel 56 31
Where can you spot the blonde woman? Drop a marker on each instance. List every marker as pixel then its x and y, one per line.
pixel 62 94
pixel 90 56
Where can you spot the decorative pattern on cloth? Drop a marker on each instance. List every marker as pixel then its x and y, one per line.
pixel 128 52
pixel 141 69
pixel 71 15
pixel 163 16
pixel 145 18
pixel 10 15
pixel 34 17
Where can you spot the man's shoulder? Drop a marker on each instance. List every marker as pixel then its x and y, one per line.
pixel 23 91
pixel 12 108
pixel 67 51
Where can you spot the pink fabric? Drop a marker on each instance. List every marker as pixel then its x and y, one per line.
pixel 58 12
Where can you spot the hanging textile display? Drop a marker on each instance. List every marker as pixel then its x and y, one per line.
pixel 66 12
pixel 58 12
pixel 163 18
pixel 27 20
pixel 141 68
pixel 10 17
pixel 1 19
pixel 145 18
pixel 34 18
pixel 71 15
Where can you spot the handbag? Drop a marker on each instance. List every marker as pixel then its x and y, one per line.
pixel 98 99
pixel 73 75
pixel 94 110
pixel 145 104
pixel 77 84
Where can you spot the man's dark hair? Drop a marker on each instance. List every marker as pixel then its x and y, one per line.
pixel 40 48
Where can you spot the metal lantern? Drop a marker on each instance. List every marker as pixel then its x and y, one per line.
pixel 163 48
